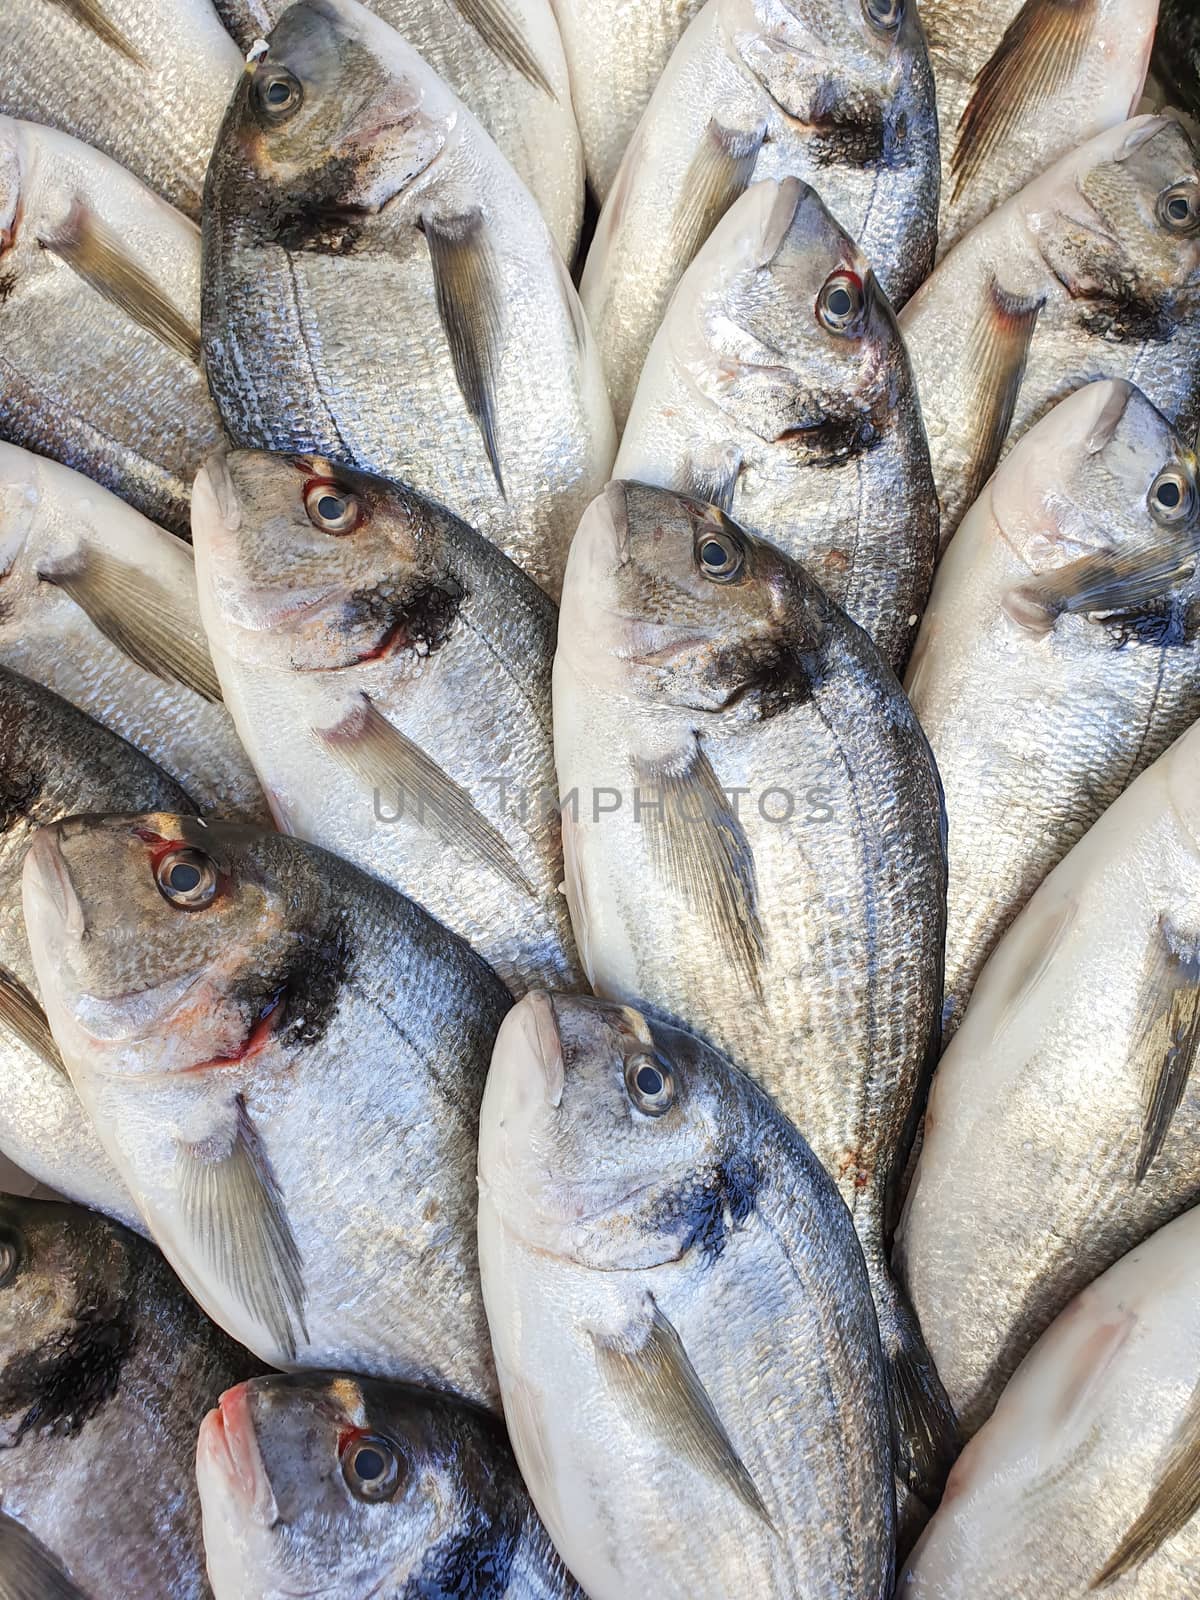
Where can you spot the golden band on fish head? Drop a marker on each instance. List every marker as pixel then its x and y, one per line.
pixel 682 606
pixel 338 114
pixel 572 1077
pixel 320 567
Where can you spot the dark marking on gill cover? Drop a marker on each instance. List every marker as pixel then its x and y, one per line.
pixel 20 789
pixel 846 135
pixel 59 1386
pixel 8 284
pixel 1165 624
pixel 303 994
pixel 715 1205
pixel 473 1563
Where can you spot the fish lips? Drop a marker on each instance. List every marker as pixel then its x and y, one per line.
pixel 228 1446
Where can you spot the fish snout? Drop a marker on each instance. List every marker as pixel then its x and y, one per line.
pixel 47 882
pixel 230 1442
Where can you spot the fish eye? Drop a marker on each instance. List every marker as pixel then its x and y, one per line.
pixel 278 93
pixel 331 509
pixel 187 879
pixel 720 554
pixel 841 302
pixel 885 15
pixel 650 1084
pixel 1179 208
pixel 371 1467
pixel 1172 497
pixel 10 1258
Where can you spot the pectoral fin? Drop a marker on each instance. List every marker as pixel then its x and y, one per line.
pixel 90 16
pixel 654 1378
pixel 1127 581
pixel 139 616
pixel 21 1014
pixel 1168 1036
pixel 234 1212
pixel 700 847
pixel 1040 52
pixel 499 30
pixel 388 761
pixel 100 258
pixel 999 352
pixel 712 476
pixel 470 302
pixel 720 171
pixel 1173 1501
pixel 27 1569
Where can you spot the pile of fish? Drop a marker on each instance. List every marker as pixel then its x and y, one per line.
pixel 599 800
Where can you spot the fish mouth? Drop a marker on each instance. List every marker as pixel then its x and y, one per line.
pixel 47 879
pixel 228 1440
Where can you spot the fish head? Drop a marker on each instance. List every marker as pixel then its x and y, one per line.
pixel 671 602
pixel 168 945
pixel 317 567
pixel 321 1484
pixel 1120 229
pixel 798 341
pixel 610 1140
pixel 332 121
pixel 64 1275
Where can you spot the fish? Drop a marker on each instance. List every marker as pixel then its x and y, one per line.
pixel 380 289
pixel 839 94
pixel 1062 1125
pixel 1177 53
pixel 106 1369
pixel 389 671
pixel 144 81
pixel 1090 271
pixel 617 51
pixel 1084 1481
pixel 54 761
pixel 805 427
pixel 284 1060
pixel 504 59
pixel 100 323
pixel 1060 653
pixel 99 605
pixel 358 1488
pixel 681 1317
pixel 754 843
pixel 1020 84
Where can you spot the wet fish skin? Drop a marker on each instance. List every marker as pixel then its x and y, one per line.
pixel 1062 1120
pixel 1085 1474
pixel 451 1516
pixel 762 89
pixel 510 69
pixel 681 1319
pixel 341 652
pixel 1045 687
pixel 471 377
pixel 209 1039
pixel 84 581
pixel 1039 78
pixel 99 300
pixel 617 51
pixel 778 821
pixel 808 431
pixel 54 761
pixel 1076 277
pixel 106 1368
pixel 1177 53
pixel 144 81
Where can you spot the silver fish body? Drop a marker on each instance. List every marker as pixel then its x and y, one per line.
pixel 617 50
pixel 1020 83
pixel 106 1369
pixel 778 386
pixel 504 59
pixel 1060 654
pixel 768 89
pixel 284 1059
pixel 99 323
pixel 380 289
pixel 754 844
pixel 681 1319
pixel 1062 1124
pixel 1083 1482
pixel 355 1488
pixel 1090 271
pixel 54 762
pixel 100 606
pixel 144 81
pixel 389 671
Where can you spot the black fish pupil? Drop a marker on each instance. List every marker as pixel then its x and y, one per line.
pixel 1169 495
pixel 1178 209
pixel 278 93
pixel 184 878
pixel 369 1465
pixel 713 554
pixel 649 1081
pixel 330 508
pixel 840 303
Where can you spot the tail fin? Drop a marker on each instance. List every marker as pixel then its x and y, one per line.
pixel 924 1428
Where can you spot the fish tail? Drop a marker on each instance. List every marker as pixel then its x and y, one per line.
pixel 925 1435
